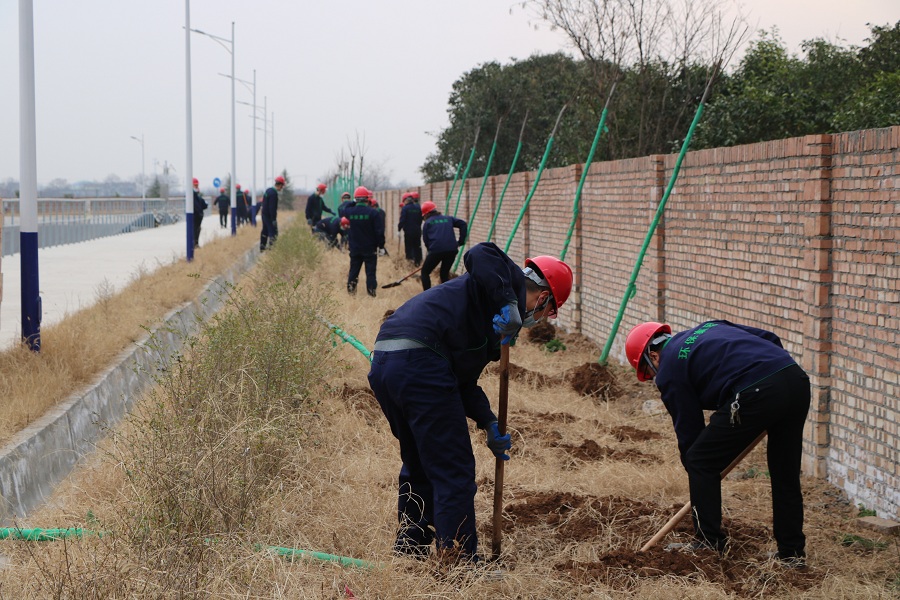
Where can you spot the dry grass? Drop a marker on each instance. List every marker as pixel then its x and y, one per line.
pixel 330 472
pixel 82 345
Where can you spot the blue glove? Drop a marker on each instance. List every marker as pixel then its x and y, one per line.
pixel 496 442
pixel 508 322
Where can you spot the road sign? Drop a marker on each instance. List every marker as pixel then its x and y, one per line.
pixel 217 182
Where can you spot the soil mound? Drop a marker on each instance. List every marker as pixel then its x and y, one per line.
pixel 541 333
pixel 594 380
pixel 627 433
pixel 590 450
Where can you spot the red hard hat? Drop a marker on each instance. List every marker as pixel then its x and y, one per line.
pixel 345 222
pixel 237 186
pixel 345 195
pixel 427 207
pixel 415 195
pixel 321 187
pixel 405 196
pixel 196 182
pixel 558 276
pixel 361 193
pixel 636 343
pixel 221 190
pixel 279 179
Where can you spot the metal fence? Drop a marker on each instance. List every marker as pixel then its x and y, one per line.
pixel 68 221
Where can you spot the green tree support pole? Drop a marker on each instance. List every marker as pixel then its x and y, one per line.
pixel 630 289
pixel 455 177
pixel 576 205
pixel 462 182
pixel 537 180
pixel 512 169
pixel 487 173
pixel 347 338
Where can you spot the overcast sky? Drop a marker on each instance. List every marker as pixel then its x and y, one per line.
pixel 331 70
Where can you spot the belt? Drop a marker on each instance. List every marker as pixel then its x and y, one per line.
pixel 394 345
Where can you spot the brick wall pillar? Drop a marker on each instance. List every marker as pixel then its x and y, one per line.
pixel 817 272
pixel 576 244
pixel 656 252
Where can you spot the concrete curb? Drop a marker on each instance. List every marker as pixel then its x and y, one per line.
pixel 40 456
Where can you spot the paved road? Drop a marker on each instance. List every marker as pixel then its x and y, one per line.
pixel 71 276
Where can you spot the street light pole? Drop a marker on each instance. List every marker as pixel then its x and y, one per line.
pixel 273 146
pixel 265 137
pixel 189 166
pixel 28 230
pixel 222 41
pixel 252 88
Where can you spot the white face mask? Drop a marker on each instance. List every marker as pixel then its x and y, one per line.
pixel 529 321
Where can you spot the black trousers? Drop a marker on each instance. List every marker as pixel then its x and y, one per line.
pixel 269 232
pixel 198 220
pixel 356 263
pixel 778 405
pixel 223 218
pixel 412 244
pixel 431 261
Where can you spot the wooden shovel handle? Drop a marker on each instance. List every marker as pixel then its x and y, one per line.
pixel 670 525
pixel 497 540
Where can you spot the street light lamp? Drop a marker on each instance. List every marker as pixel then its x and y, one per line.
pixel 143 176
pixel 222 41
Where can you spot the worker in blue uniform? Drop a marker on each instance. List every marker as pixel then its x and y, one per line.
pixel 315 206
pixel 426 362
pixel 441 242
pixel 269 214
pixel 752 383
pixel 366 237
pixel 410 223
pixel 330 228
pixel 346 202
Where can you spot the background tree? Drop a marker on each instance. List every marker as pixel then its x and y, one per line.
pixel 287 193
pixel 876 103
pixel 155 189
pixel 662 53
pixel 540 86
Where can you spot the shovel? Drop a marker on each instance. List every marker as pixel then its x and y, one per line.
pixel 687 507
pixel 399 281
pixel 497 540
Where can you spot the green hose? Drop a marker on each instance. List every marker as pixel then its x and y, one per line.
pixel 344 561
pixel 631 289
pixel 44 535
pixel 512 169
pixel 537 180
pixel 576 205
pixel 49 535
pixel 462 182
pixel 487 173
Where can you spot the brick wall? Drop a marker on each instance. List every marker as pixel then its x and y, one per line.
pixel 800 236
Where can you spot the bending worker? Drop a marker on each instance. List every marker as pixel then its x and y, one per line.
pixel 329 228
pixel 751 382
pixel 441 242
pixel 426 362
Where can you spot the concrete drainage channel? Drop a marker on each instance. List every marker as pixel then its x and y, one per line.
pixel 39 457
